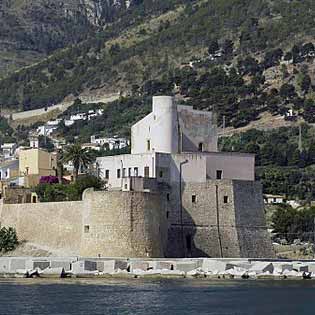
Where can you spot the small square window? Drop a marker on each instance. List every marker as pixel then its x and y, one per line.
pixel 193 198
pixel 86 229
pixel 226 199
pixel 219 174
pixel 107 174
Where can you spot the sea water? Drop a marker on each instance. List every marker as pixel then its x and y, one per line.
pixel 63 297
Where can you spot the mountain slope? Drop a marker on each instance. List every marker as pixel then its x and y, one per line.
pixel 30 30
pixel 244 49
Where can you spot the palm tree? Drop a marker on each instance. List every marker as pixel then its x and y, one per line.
pixel 60 165
pixel 79 157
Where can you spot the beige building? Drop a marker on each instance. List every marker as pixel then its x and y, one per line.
pixel 35 163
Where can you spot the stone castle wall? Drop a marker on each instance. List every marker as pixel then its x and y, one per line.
pixel 219 218
pixel 225 219
pixel 52 225
pixel 104 223
pixel 128 224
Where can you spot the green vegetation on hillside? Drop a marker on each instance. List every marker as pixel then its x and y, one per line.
pixel 252 37
pixel 281 167
pixel 291 224
pixel 116 119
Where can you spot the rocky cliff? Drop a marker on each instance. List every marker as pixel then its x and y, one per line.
pixel 30 30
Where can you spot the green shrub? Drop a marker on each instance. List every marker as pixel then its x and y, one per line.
pixel 8 239
pixel 71 192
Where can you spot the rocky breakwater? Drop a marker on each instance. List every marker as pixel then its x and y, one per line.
pixel 74 267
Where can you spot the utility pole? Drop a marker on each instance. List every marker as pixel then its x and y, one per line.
pixel 223 125
pixel 181 203
pixel 300 138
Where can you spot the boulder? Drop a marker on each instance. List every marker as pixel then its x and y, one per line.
pixel 53 272
pixel 106 267
pixel 214 266
pixel 79 267
pixel 61 264
pixel 244 264
pixel 139 265
pixel 42 265
pixel 260 267
pixel 168 265
pixel 5 265
pixel 121 264
pixel 186 266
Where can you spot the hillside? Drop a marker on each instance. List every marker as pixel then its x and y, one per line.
pixel 33 30
pixel 246 58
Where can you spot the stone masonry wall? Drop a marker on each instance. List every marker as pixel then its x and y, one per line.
pixel 215 220
pixel 250 220
pixel 126 224
pixel 53 225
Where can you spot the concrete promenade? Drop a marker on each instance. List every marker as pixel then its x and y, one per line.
pixel 77 267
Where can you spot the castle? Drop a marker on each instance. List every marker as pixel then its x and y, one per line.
pixel 175 195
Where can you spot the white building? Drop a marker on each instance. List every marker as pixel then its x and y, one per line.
pixel 78 116
pixel 68 122
pixel 274 199
pixel 9 150
pixel 110 143
pixel 175 143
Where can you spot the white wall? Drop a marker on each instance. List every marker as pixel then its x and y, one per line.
pixel 234 165
pixel 160 128
pixel 113 163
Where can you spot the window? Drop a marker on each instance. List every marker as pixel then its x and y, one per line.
pixel 200 147
pixel 107 174
pixel 118 173
pixel 219 174
pixel 168 197
pixel 193 198
pixel 129 171
pixel 167 214
pixel 148 145
pixel 124 172
pixel 34 199
pixel 126 186
pixel 86 229
pixel 226 199
pixel 161 174
pixel 147 171
pixel 136 171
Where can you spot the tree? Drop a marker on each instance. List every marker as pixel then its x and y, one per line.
pixel 305 83
pixel 213 47
pixel 287 91
pixel 228 47
pixel 80 157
